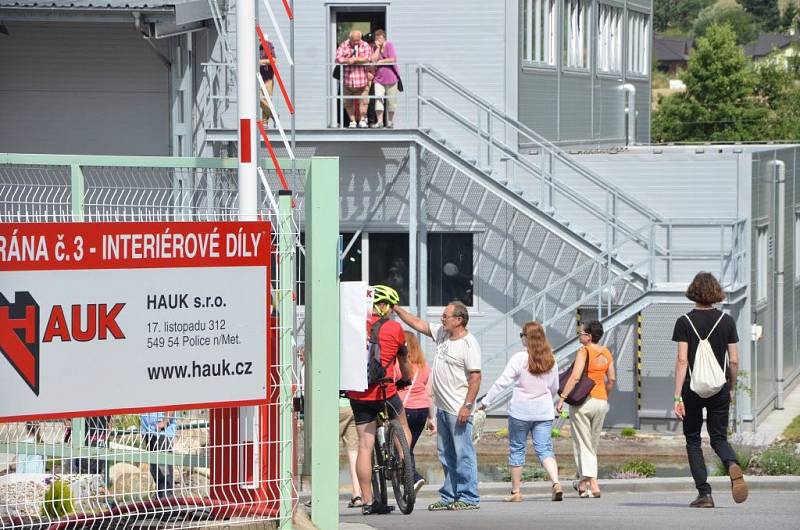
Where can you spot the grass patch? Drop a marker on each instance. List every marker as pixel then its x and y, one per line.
pixel 792 432
pixel 529 474
pixel 637 467
pixel 627 432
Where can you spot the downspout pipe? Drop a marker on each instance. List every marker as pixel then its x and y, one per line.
pixel 779 185
pixel 629 101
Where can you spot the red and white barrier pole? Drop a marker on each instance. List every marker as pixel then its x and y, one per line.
pixel 247 103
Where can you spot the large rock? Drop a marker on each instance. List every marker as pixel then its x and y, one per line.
pixel 195 485
pixel 133 486
pixel 121 468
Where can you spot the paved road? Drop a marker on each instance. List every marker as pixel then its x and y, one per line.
pixel 770 510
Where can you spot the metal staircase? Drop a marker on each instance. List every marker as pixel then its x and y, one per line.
pixel 220 71
pixel 602 247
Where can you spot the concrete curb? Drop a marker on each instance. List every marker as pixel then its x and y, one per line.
pixel 643 485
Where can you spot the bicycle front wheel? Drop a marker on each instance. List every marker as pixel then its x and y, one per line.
pixel 401 468
pixel 379 492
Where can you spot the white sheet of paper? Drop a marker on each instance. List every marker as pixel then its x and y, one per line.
pixel 355 304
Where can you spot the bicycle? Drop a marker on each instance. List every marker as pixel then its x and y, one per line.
pixel 392 459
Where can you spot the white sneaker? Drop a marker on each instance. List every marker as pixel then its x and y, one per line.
pixel 363 124
pixel 390 125
pixel 352 125
pixel 418 485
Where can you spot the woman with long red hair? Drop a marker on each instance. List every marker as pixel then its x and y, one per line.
pixel 416 398
pixel 534 375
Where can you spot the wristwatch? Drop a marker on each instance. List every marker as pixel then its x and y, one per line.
pixel 469 406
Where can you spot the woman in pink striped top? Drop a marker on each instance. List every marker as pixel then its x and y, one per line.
pixel 534 376
pixel 416 398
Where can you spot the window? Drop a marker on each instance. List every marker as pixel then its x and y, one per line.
pixel 351 265
pixel 638 43
pixel 539 31
pixel 576 34
pixel 609 39
pixel 388 262
pixel 762 263
pixel 797 247
pixel 450 269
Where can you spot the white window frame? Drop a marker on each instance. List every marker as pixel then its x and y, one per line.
pixel 638 44
pixel 577 44
pixel 762 263
pixel 797 247
pixel 609 39
pixel 539 32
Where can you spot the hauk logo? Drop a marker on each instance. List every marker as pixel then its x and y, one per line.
pixel 19 330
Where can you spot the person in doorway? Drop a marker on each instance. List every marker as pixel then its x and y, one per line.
pixel 416 399
pixel 456 380
pixel 587 420
pixel 158 433
pixel 386 79
pixel 268 75
pixel 720 330
pixel 349 437
pixel 355 52
pixel 534 375
pixel 367 404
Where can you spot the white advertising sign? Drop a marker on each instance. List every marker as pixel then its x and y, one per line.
pixel 126 317
pixel 354 311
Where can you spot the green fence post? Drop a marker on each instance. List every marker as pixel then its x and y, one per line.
pixel 322 338
pixel 77 190
pixel 286 245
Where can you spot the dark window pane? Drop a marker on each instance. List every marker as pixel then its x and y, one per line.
pixel 351 266
pixel 450 269
pixel 388 262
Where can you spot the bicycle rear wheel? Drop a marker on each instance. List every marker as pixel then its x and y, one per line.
pixel 401 468
pixel 379 491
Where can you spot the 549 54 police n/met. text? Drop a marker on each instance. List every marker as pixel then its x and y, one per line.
pixel 183 301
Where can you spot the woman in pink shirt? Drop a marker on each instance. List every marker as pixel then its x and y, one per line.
pixel 534 376
pixel 417 398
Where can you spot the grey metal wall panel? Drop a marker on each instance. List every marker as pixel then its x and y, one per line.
pixel 537 101
pixel 575 107
pixel 82 89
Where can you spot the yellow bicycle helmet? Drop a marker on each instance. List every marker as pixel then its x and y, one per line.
pixel 384 294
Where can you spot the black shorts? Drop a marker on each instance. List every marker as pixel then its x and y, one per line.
pixel 367 411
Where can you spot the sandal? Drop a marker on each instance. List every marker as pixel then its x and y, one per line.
pixel 355 502
pixel 558 493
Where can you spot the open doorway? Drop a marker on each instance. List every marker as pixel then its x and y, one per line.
pixel 343 20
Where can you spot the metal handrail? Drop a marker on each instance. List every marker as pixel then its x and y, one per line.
pixel 545 144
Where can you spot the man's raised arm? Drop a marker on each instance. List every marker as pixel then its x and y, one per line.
pixel 413 321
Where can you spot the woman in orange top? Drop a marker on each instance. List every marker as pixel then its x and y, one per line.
pixel 587 420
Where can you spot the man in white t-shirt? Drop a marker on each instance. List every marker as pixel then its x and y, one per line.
pixel 456 379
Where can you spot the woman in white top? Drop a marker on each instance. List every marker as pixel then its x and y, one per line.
pixel 534 375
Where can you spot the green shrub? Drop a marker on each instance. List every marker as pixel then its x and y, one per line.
pixel 627 432
pixel 792 432
pixel 58 500
pixel 529 474
pixel 779 460
pixel 640 467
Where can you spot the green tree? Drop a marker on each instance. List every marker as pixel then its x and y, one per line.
pixel 742 22
pixel 777 90
pixel 766 12
pixel 789 17
pixel 677 14
pixel 719 102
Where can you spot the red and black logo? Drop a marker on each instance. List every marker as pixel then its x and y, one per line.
pixel 19 336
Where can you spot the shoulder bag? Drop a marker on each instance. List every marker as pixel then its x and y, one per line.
pixel 584 386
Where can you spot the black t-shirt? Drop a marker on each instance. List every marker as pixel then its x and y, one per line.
pixel 704 320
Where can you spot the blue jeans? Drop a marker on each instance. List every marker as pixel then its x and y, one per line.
pixel 518 439
pixel 457 455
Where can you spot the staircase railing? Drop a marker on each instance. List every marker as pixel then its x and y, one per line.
pixel 590 192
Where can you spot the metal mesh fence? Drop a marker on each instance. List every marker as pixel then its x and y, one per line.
pixel 171 468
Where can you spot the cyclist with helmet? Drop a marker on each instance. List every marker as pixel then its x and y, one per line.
pixel 367 404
